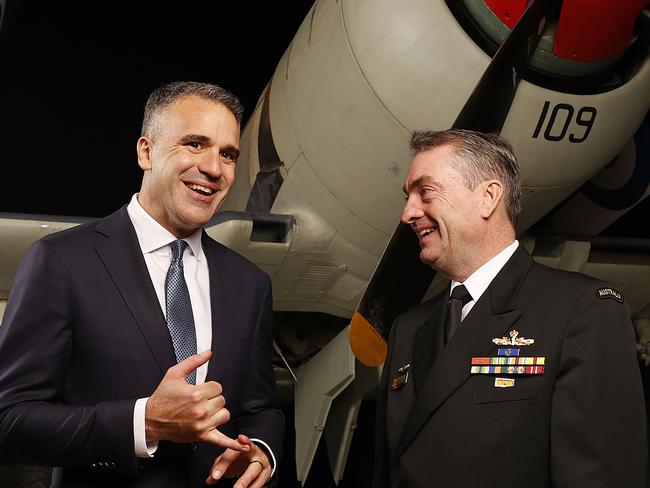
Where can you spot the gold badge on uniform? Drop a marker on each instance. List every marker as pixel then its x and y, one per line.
pixel 504 382
pixel 513 340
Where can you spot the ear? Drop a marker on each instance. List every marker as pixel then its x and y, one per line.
pixel 144 148
pixel 492 195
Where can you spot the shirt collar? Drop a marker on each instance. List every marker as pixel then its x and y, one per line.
pixel 153 236
pixel 480 279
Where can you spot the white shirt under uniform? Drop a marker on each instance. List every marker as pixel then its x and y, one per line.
pixel 480 279
pixel 154 242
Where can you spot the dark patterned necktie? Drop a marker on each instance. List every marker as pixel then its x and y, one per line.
pixel 457 300
pixel 180 319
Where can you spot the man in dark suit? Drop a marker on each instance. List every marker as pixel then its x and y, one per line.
pixel 517 375
pixel 123 338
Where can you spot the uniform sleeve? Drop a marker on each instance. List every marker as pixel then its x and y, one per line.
pixel 36 340
pixel 598 422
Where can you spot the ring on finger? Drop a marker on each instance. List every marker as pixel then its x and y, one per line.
pixel 257 461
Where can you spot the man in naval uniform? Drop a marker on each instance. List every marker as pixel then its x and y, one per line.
pixel 517 374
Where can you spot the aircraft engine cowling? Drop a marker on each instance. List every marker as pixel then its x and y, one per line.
pixel 328 141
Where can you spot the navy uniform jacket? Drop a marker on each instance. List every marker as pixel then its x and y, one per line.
pixel 580 424
pixel 83 337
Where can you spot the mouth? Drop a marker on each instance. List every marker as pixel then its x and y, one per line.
pixel 201 189
pixel 422 233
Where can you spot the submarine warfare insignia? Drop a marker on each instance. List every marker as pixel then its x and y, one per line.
pixel 513 340
pixel 401 380
pixel 508 361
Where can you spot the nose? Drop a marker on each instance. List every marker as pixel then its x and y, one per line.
pixel 411 212
pixel 210 165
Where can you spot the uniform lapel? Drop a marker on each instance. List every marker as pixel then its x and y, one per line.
pixel 223 304
pixel 490 317
pixel 120 252
pixel 420 351
pixel 429 341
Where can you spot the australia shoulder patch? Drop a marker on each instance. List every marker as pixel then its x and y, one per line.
pixel 611 293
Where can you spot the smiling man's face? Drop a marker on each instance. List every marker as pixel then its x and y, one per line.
pixel 443 212
pixel 189 163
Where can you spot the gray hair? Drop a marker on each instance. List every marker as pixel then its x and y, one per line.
pixel 165 95
pixel 479 157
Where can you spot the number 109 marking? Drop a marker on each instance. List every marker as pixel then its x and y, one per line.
pixel 556 129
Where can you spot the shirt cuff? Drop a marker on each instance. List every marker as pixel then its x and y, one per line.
pixel 142 449
pixel 268 451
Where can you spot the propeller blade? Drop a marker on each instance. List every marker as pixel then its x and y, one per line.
pixel 487 107
pixel 400 280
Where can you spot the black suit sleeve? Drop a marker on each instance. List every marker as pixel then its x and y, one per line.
pixel 598 423
pixel 36 340
pixel 260 418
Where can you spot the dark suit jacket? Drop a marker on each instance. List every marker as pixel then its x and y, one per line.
pixel 83 337
pixel 580 424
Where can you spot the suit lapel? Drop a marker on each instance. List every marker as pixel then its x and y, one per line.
pixel 491 317
pixel 223 298
pixel 119 250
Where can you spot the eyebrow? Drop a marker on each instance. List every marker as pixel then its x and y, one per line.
pixel 194 138
pixel 420 182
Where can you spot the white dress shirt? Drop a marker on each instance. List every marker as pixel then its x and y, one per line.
pixel 154 242
pixel 480 279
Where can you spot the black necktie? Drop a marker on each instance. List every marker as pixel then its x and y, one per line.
pixel 457 300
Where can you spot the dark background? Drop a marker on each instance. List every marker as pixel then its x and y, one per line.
pixel 75 75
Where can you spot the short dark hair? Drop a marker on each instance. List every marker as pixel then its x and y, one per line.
pixel 165 95
pixel 480 157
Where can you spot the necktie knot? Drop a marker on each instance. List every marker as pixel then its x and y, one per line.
pixel 178 248
pixel 460 293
